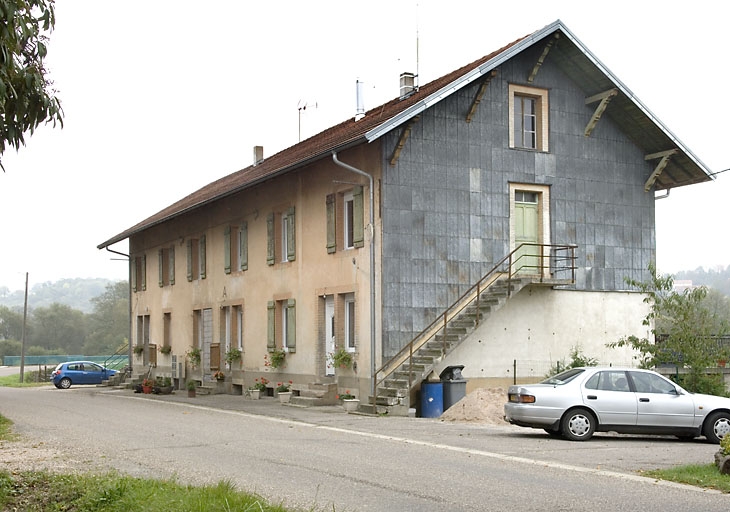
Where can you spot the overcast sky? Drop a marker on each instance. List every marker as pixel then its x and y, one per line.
pixel 163 97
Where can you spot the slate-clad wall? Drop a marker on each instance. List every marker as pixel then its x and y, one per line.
pixel 445 203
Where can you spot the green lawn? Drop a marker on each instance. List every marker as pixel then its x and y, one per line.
pixel 29 378
pixel 705 475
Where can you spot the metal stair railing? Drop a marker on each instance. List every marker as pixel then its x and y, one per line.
pixel 552 260
pixel 119 360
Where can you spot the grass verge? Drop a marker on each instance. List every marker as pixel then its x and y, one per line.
pixel 699 475
pixel 41 491
pixel 29 378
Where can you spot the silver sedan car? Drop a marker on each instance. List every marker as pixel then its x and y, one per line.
pixel 578 402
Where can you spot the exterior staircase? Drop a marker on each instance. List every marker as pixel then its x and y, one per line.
pixel 398 381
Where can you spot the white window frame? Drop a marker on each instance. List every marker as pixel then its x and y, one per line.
pixel 542 109
pixel 350 322
pixel 348 214
pixel 284 235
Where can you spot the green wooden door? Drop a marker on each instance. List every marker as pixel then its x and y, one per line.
pixel 526 223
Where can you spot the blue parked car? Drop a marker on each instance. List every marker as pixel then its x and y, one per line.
pixel 79 372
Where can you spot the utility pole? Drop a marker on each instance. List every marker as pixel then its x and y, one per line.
pixel 25 317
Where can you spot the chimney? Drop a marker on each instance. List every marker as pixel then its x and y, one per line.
pixel 407 85
pixel 360 111
pixel 258 155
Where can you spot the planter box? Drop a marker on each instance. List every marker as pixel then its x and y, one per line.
pixel 255 394
pixel 350 404
pixel 284 397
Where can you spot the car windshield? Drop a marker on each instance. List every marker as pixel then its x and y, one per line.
pixel 564 377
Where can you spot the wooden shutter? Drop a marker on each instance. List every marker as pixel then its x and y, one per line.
pixel 243 245
pixel 291 235
pixel 161 267
pixel 144 272
pixel 358 238
pixel 201 249
pixel 291 325
pixel 172 264
pixel 331 225
pixel 270 245
pixel 227 250
pixel 190 259
pixel 133 271
pixel 271 320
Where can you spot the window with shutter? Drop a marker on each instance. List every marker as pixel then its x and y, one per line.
pixel 331 224
pixel 161 267
pixel 133 271
pixel 243 246
pixel 201 246
pixel 270 241
pixel 291 247
pixel 358 239
pixel 171 265
pixel 144 272
pixel 227 250
pixel 270 331
pixel 291 325
pixel 190 259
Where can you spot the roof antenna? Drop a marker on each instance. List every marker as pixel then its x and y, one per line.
pixel 417 39
pixel 302 105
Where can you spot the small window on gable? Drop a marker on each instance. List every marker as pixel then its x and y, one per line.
pixel 281 237
pixel 345 225
pixel 528 119
pixel 166 266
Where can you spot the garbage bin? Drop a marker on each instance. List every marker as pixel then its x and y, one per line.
pixel 454 385
pixel 432 399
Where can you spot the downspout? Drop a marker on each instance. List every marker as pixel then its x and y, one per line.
pixel 373 368
pixel 129 304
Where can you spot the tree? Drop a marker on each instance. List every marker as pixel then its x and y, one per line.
pixel 687 328
pixel 11 324
pixel 109 322
pixel 59 327
pixel 27 97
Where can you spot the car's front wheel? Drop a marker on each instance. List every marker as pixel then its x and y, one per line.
pixel 717 426
pixel 578 425
pixel 65 383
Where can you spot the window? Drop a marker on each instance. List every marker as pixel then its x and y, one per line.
pixel 281 240
pixel 196 258
pixel 166 266
pixel 528 120
pixel 235 241
pixel 282 313
pixel 345 227
pixel 232 327
pixel 166 326
pixel 350 322
pixel 139 273
pixel 143 330
pixel 608 381
pixel 650 383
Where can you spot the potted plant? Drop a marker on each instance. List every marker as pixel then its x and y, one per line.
pixel 147 385
pixel 138 349
pixel 163 386
pixel 191 385
pixel 283 391
pixel 342 358
pixel 275 359
pixel 233 355
pixel 219 376
pixel 193 355
pixel 165 349
pixel 258 388
pixel 349 401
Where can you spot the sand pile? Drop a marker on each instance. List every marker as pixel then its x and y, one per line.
pixel 481 405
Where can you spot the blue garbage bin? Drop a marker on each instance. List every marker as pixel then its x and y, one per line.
pixel 432 399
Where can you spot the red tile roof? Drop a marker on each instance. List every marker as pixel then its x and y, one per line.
pixel 318 146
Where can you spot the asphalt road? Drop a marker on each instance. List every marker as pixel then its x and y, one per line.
pixel 324 458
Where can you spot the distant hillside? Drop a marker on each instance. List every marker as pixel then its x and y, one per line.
pixel 75 293
pixel 717 278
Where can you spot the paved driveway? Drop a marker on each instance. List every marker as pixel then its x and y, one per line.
pixel 325 457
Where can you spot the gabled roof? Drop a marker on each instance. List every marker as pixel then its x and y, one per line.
pixel 575 60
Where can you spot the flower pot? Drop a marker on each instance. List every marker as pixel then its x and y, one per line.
pixel 146 390
pixel 350 404
pixel 284 397
pixel 191 393
pixel 255 394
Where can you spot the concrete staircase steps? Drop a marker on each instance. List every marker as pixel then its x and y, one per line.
pixel 314 394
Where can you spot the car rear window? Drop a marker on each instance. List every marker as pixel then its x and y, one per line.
pixel 564 377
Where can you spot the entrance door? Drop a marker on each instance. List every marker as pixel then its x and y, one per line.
pixel 526 223
pixel 329 334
